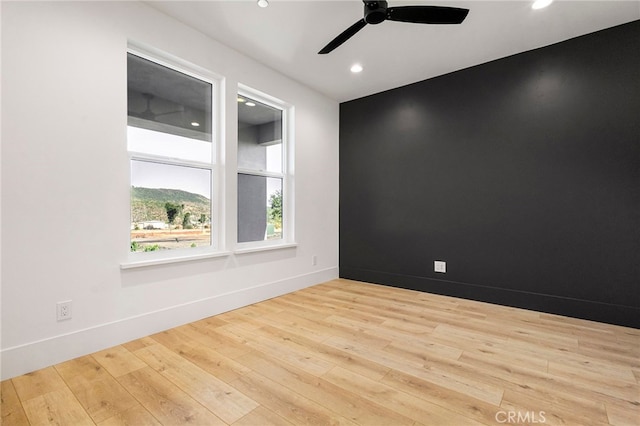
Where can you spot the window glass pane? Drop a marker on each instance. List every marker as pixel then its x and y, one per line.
pixel 259 208
pixel 274 209
pixel 167 145
pixel 168 101
pixel 170 206
pixel 259 136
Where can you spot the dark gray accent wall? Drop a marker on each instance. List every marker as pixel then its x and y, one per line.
pixel 523 174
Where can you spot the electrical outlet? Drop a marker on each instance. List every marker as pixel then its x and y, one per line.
pixel 440 266
pixel 63 310
pixel 314 260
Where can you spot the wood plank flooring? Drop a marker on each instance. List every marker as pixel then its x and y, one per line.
pixel 348 353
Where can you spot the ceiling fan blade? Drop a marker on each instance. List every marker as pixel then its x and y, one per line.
pixel 427 14
pixel 344 36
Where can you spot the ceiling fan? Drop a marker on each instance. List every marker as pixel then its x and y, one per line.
pixel 377 11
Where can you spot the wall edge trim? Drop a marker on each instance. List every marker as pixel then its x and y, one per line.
pixel 626 316
pixel 31 356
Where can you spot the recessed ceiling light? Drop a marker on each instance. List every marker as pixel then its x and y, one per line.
pixel 540 4
pixel 241 99
pixel 195 124
pixel 356 68
pixel 263 3
pixel 250 104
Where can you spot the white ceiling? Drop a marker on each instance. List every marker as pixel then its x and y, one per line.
pixel 287 35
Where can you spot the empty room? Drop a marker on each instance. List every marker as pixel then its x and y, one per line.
pixel 289 212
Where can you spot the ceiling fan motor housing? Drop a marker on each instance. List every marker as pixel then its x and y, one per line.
pixel 375 11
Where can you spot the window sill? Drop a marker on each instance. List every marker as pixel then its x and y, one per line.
pixel 255 249
pixel 176 259
pixel 133 264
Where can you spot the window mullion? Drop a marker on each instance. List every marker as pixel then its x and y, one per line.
pixel 169 160
pixel 261 173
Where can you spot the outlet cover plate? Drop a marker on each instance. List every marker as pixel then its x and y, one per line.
pixel 63 310
pixel 440 266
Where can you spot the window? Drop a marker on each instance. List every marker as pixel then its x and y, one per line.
pixel 170 137
pixel 264 212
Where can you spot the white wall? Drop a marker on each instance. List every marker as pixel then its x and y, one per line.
pixel 65 185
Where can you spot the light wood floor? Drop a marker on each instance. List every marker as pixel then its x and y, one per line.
pixel 348 353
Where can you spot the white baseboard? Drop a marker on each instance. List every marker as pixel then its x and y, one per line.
pixel 22 359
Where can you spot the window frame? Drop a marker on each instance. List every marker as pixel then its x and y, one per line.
pixel 214 165
pixel 287 175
